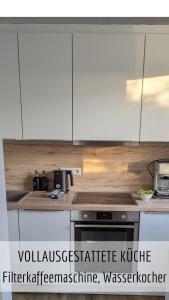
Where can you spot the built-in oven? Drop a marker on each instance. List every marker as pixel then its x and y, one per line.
pixel 90 227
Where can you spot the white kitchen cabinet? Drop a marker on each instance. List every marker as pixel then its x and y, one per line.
pixel 46 85
pixel 13 225
pixel 155 106
pixel 10 108
pixel 154 226
pixel 44 225
pixel 107 85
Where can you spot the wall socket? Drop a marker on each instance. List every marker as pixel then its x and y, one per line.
pixel 75 171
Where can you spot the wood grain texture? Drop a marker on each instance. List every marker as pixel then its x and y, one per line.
pixel 115 169
pixel 42 201
pixel 40 296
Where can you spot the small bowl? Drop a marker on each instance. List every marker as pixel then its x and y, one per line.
pixel 146 197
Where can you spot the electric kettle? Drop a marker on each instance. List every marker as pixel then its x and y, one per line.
pixel 61 181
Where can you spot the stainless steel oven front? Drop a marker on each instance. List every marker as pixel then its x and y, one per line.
pixel 104 226
pixel 94 226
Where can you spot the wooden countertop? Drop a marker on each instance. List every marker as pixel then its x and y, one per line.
pixel 42 201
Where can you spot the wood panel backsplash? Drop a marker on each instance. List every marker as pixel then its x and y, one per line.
pixel 112 168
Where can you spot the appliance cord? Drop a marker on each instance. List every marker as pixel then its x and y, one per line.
pixel 149 167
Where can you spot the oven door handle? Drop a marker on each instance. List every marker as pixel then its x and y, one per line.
pixel 103 226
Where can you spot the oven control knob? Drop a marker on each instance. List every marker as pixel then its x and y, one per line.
pixel 123 216
pixel 85 216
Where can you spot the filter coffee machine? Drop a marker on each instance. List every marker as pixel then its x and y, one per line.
pixel 161 177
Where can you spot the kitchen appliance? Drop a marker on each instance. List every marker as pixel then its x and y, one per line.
pixel 160 175
pixel 104 198
pixel 61 181
pixel 90 227
pixel 104 226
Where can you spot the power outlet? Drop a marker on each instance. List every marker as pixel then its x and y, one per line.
pixel 75 171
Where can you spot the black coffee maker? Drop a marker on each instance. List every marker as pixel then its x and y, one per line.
pixel 61 180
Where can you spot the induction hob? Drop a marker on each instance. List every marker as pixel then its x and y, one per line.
pixel 104 198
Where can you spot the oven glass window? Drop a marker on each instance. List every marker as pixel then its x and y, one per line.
pixel 91 234
pixel 104 234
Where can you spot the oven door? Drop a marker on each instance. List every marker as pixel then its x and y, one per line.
pixel 93 237
pixel 105 232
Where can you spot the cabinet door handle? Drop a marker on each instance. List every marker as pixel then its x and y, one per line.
pixel 103 226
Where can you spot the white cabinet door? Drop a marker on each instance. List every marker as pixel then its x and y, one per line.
pixel 154 227
pixel 46 85
pixel 44 225
pixel 107 85
pixel 155 107
pixel 13 225
pixel 10 108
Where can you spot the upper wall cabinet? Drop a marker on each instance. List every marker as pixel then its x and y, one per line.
pixel 155 107
pixel 10 110
pixel 107 76
pixel 46 85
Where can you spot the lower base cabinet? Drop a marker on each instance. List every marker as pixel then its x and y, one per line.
pixel 154 226
pixel 13 225
pixel 44 225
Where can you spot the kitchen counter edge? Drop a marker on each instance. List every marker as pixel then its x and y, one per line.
pixel 42 201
